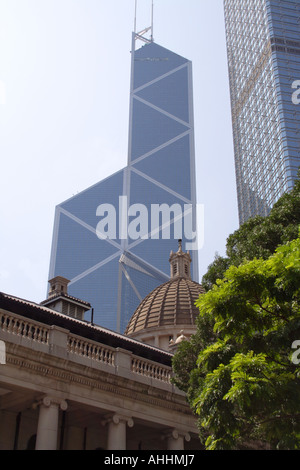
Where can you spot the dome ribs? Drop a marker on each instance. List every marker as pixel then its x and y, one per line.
pixel 172 303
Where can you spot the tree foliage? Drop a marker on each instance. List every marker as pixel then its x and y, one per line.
pixel 259 236
pixel 239 375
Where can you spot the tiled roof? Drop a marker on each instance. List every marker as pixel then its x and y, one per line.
pixel 67 297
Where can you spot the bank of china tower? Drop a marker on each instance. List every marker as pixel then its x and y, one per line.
pixel 114 273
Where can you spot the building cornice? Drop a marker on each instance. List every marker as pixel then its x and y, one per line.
pixel 66 372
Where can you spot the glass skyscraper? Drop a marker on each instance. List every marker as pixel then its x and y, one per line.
pixel 115 273
pixel 263 46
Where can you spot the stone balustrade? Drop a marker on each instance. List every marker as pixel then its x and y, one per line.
pixel 60 341
pixel 91 350
pixel 21 327
pixel 150 369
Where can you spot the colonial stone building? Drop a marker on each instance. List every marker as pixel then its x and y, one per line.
pixel 67 384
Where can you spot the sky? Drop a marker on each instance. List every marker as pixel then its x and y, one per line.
pixel 64 116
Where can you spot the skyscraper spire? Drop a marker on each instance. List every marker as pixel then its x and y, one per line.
pixel 152 18
pixel 135 11
pixel 141 34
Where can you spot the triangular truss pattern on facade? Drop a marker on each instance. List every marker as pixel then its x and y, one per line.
pixel 114 275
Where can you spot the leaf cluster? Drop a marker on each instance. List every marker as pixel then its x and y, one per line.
pixel 239 377
pixel 259 236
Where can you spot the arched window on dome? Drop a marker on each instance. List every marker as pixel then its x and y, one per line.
pixel 175 268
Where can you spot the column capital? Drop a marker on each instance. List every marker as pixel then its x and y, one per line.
pixel 175 439
pixel 117 418
pixel 176 434
pixel 48 401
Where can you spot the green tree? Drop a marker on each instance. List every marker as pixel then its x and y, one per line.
pixel 215 271
pixel 259 236
pixel 245 383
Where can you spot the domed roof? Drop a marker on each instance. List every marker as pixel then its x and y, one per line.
pixel 172 303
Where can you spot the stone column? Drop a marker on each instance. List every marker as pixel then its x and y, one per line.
pixel 116 438
pixel 47 430
pixel 175 440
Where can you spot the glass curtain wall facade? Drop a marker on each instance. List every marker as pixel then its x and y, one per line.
pixel 263 47
pixel 116 273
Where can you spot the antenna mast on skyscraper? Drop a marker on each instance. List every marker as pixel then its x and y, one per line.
pixel 152 11
pixel 141 34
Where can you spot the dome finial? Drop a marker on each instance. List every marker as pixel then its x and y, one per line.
pixel 180 263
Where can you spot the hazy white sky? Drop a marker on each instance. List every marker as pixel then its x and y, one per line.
pixel 64 109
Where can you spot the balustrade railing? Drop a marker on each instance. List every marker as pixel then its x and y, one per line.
pixel 150 369
pixel 24 328
pixel 94 351
pixel 77 345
